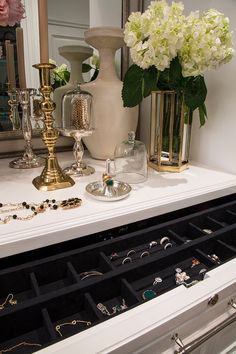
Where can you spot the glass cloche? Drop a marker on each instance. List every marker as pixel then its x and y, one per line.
pixel 77 123
pixel 130 160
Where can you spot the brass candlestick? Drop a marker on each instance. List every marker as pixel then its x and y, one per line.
pixel 52 176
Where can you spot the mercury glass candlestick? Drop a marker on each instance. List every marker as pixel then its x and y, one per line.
pixel 14 113
pixel 37 114
pixel 52 177
pixel 29 159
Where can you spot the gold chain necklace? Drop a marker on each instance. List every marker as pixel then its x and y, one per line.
pixel 19 345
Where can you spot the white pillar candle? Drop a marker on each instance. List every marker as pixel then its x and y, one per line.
pixel 20 57
pixel 10 65
pixel 43 30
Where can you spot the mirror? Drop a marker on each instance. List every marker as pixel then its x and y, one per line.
pixel 67 22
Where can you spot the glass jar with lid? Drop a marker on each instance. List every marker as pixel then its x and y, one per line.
pixel 130 160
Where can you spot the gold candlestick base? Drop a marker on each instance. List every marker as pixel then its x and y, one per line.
pixel 52 176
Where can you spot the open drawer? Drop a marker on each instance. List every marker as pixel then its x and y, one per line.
pixel 73 288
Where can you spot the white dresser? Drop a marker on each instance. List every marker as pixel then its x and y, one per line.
pixel 175 321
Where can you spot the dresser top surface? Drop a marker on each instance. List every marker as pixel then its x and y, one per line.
pixel 161 193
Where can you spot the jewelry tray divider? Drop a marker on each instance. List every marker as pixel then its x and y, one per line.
pixel 66 288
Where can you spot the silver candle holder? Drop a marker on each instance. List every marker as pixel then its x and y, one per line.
pixel 29 159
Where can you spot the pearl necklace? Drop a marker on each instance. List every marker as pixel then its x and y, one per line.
pixel 35 208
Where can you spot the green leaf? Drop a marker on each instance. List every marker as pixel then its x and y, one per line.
pixel 67 76
pixel 188 115
pixel 95 74
pixel 190 119
pixel 195 92
pixel 204 109
pixel 202 115
pixel 138 83
pixel 175 73
pixel 86 68
pixel 171 79
pixel 149 81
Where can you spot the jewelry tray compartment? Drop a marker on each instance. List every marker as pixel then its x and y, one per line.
pixel 54 292
pixel 25 331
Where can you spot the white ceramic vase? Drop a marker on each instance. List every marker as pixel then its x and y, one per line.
pixel 76 55
pixel 112 121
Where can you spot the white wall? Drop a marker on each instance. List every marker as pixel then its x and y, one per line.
pixel 31 42
pixel 67 21
pixel 72 11
pixel 105 13
pixel 215 143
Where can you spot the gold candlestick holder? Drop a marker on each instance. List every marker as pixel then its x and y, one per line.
pixel 52 176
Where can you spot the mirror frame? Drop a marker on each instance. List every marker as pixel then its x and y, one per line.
pixel 12 142
pixel 128 6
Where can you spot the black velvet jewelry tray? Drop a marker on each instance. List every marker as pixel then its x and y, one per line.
pixel 58 296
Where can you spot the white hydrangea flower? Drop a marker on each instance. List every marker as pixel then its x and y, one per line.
pixel 156 35
pixel 57 72
pixel 207 43
pixel 52 74
pixel 162 32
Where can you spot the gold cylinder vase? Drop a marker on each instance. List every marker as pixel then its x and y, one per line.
pixel 169 134
pixel 52 176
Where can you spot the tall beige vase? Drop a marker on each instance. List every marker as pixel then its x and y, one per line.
pixel 76 55
pixel 112 121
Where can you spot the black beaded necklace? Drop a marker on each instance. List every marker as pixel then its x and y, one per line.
pixel 35 208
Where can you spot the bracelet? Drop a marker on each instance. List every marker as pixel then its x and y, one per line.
pixel 72 323
pixel 92 273
pixel 19 345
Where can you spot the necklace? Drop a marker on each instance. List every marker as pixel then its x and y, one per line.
pixel 19 345
pixel 35 208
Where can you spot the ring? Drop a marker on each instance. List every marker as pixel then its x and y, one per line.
pixel 203 273
pixel 164 239
pixel 127 260
pixel 178 270
pixel 214 258
pixel 207 231
pixel 195 262
pixel 131 252
pixel 157 280
pixel 152 244
pixel 144 254
pixel 148 294
pixel 167 245
pixel 114 256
